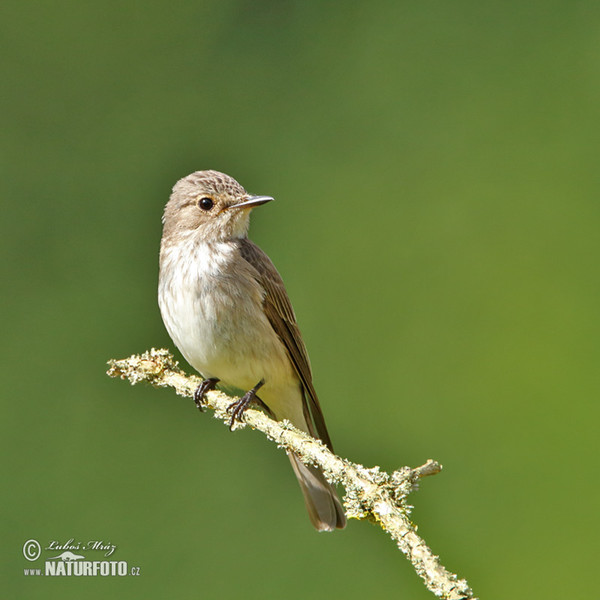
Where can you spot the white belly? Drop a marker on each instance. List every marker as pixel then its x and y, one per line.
pixel 215 318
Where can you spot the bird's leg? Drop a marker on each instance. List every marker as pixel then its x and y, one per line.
pixel 238 407
pixel 205 386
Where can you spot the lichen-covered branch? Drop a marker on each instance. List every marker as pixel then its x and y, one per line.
pixel 370 493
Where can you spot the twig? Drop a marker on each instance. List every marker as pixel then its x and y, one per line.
pixel 370 493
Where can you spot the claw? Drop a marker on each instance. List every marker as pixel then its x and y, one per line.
pixel 238 407
pixel 205 386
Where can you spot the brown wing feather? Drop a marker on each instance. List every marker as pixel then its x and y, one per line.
pixel 280 313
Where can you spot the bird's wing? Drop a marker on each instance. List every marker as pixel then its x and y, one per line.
pixel 280 313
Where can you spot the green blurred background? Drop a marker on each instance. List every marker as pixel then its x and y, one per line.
pixel 435 166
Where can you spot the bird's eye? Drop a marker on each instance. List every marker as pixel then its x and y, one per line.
pixel 205 203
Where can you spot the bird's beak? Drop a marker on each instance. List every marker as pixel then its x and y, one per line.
pixel 252 201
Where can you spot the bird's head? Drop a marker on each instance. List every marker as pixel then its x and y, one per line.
pixel 211 204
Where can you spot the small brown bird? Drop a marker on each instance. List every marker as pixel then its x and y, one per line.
pixel 226 308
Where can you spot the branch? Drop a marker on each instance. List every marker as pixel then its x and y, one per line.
pixel 370 493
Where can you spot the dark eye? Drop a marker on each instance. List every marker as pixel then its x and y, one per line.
pixel 205 203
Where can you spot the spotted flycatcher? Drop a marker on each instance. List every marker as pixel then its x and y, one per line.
pixel 226 308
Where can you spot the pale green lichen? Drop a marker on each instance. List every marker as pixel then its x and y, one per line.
pixel 370 494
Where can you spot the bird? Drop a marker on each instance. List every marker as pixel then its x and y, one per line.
pixel 226 308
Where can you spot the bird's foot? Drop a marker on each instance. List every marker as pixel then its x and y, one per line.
pixel 238 407
pixel 205 386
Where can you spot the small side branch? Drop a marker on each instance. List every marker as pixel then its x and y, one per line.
pixel 370 492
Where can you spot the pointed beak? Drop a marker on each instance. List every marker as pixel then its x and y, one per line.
pixel 252 201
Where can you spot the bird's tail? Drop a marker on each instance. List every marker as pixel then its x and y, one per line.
pixel 321 499
pixel 322 502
